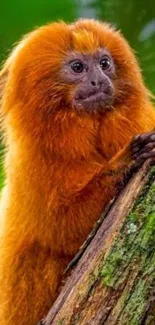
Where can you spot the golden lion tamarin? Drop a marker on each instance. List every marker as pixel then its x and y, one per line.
pixel 73 104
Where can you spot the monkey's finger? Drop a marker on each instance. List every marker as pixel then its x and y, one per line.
pixel 142 140
pixel 147 155
pixel 147 148
pixel 139 137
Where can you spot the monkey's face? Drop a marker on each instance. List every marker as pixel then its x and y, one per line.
pixel 100 69
pixel 92 75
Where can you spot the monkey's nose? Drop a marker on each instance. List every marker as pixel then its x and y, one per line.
pixel 97 85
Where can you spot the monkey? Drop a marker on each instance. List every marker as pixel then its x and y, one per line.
pixel 76 116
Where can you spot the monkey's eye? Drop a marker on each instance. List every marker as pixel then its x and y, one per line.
pixel 105 63
pixel 77 66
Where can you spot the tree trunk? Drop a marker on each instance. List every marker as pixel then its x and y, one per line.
pixel 114 281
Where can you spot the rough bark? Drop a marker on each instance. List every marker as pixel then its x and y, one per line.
pixel 114 281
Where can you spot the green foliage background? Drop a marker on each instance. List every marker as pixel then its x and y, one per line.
pixel 136 19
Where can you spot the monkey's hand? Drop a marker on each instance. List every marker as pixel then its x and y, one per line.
pixel 143 147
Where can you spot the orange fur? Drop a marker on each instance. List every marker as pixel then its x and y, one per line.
pixel 57 160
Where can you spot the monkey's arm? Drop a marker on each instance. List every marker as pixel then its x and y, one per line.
pixel 83 208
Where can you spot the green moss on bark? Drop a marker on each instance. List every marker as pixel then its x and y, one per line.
pixel 134 252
